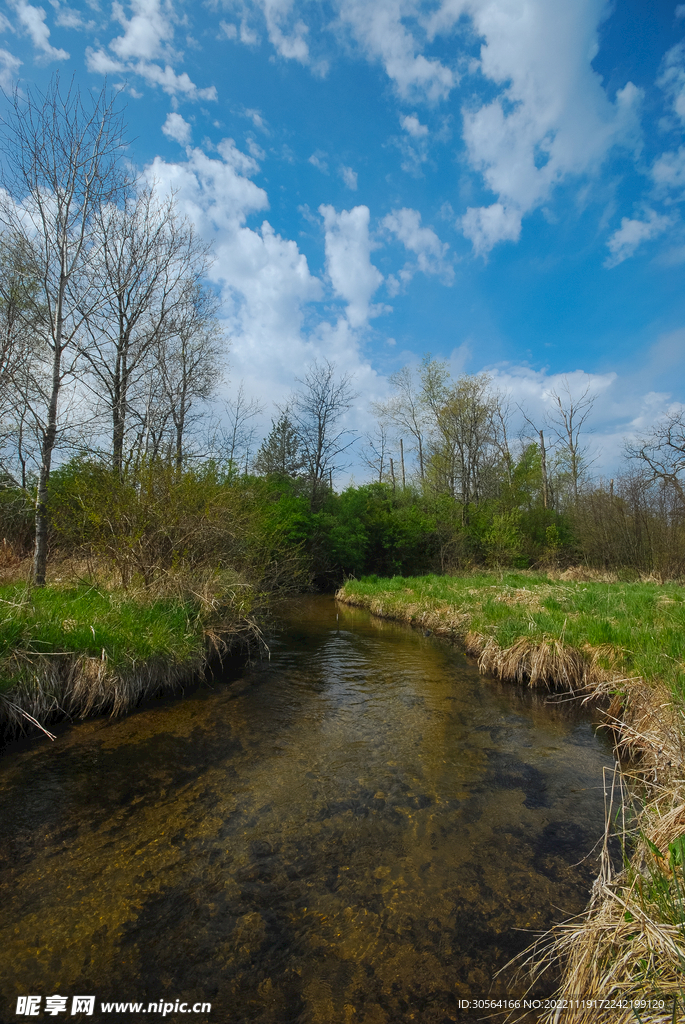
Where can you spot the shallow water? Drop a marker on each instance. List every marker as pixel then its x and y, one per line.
pixel 351 831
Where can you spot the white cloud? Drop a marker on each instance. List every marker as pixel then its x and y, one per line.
pixel 382 34
pixel 431 253
pixel 175 127
pixel 552 118
pixel 66 17
pixel 32 20
pixel 286 32
pixel 632 233
pixel 146 34
pixel 101 63
pixel 255 149
pixel 173 84
pixel 257 119
pixel 348 247
pixel 672 78
pixel 9 65
pixel 318 160
pixel 668 171
pixel 485 226
pixel 349 177
pixel 248 36
pixel 266 285
pixel 166 78
pixel 289 40
pixel 413 126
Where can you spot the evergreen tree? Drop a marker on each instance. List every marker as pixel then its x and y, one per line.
pixel 280 453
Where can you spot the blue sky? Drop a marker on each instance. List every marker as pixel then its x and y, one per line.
pixel 498 182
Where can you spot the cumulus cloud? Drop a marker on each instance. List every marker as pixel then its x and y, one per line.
pixel 485 226
pixel 431 253
pixel 552 118
pixel 147 32
pixel 380 30
pixel 413 126
pixel 632 233
pixel 175 127
pixel 148 37
pixel 257 119
pixel 348 248
pixel 269 294
pixel 32 20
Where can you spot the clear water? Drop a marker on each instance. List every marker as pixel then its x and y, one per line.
pixel 355 830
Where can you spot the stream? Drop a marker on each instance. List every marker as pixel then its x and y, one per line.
pixel 359 829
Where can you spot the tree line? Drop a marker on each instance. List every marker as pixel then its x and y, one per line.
pixel 111 348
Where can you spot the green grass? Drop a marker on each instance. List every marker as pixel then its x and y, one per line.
pixel 641 625
pixel 83 620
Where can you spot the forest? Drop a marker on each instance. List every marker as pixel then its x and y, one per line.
pixel 116 454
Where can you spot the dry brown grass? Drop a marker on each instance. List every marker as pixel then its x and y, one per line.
pixel 76 686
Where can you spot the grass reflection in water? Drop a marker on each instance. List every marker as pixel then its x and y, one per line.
pixel 352 831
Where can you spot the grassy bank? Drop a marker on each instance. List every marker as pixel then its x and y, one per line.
pixel 622 644
pixel 80 650
pixel 615 629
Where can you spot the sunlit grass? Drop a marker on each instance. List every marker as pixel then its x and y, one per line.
pixel 640 627
pixel 85 621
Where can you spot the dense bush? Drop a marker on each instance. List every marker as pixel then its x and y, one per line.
pixel 162 522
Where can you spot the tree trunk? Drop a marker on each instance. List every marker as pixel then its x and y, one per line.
pixel 543 467
pixel 40 553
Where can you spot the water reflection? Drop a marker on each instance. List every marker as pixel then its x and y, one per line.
pixel 349 832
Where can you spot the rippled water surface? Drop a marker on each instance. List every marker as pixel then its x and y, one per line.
pixel 351 831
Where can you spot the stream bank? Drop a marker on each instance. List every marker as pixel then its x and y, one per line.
pixel 77 651
pixel 630 943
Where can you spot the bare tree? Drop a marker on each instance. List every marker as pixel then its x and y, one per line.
pixel 239 435
pixel 20 345
pixel 567 419
pixel 376 450
pixel 188 357
pixel 146 257
pixel 406 410
pixel 61 165
pixel 662 452
pixel 317 409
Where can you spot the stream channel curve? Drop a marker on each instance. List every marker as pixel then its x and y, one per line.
pixel 358 830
